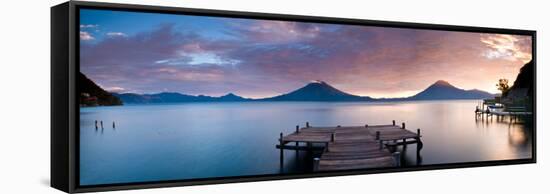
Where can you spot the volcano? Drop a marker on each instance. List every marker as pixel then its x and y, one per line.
pixel 317 91
pixel 441 90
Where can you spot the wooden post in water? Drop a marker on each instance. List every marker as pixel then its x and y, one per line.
pixel 307 124
pixel 297 131
pixel 332 137
pixel 338 126
pixel 315 164
pixel 366 126
pixel 397 158
pixel 378 139
pixel 393 122
pixel 281 156
pixel 419 144
pixel 402 125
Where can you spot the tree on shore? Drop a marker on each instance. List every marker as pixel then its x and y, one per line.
pixel 503 86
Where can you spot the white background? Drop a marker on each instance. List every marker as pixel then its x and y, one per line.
pixel 25 99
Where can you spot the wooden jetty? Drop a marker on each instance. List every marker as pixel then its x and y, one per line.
pixel 351 147
pixel 485 111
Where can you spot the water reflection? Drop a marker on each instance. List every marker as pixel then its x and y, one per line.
pixel 199 140
pixel 518 134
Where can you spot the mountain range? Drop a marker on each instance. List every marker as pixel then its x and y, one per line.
pixel 314 91
pixel 174 97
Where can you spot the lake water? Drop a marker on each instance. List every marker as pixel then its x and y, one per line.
pixel 204 140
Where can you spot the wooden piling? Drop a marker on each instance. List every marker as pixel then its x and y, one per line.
pixel 380 146
pixel 281 156
pixel 297 131
pixel 332 137
pixel 315 164
pixel 393 122
pixel 419 144
pixel 307 124
pixel 397 158
pixel 366 126
pixel 402 125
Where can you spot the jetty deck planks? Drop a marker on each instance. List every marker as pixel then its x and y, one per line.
pixel 353 147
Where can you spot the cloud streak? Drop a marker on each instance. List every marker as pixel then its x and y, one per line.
pixel 86 36
pixel 116 34
pixel 507 47
pixel 89 26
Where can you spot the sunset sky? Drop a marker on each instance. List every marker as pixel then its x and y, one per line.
pixel 151 53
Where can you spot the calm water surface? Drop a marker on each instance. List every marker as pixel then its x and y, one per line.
pixel 204 140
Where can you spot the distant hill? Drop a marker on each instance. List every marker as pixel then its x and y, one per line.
pixel 524 80
pixel 317 91
pixel 441 90
pixel 93 95
pixel 522 93
pixel 231 98
pixel 174 97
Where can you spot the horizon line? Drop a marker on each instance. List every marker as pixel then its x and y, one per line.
pixel 311 82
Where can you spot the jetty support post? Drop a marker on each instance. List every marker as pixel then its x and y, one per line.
pixel 309 148
pixel 315 164
pixel 397 158
pixel 281 144
pixel 307 124
pixel 419 144
pixel 378 139
pixel 402 125
pixel 297 143
pixel 332 138
pixel 393 122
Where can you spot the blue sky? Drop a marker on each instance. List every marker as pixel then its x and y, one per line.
pixel 150 53
pixel 101 22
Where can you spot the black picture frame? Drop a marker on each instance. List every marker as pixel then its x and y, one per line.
pixel 64 87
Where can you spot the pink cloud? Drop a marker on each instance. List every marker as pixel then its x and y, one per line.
pixel 277 57
pixel 507 47
pixel 85 36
